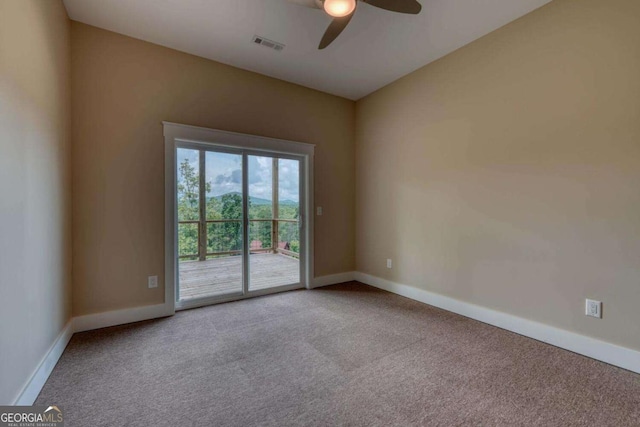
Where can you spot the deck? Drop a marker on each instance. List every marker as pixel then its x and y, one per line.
pixel 222 276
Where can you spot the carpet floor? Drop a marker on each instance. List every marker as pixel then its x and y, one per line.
pixel 343 355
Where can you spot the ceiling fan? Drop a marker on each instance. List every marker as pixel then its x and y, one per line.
pixel 343 10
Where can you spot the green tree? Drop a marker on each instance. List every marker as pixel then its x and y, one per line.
pixel 188 207
pixel 188 192
pixel 260 231
pixel 232 231
pixel 227 236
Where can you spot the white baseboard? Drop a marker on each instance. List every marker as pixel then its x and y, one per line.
pixel 600 350
pixel 34 385
pixel 120 317
pixel 89 322
pixel 137 314
pixel 332 279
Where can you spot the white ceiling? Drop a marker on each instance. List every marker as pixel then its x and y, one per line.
pixel 376 48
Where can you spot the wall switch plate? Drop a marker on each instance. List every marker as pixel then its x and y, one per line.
pixel 594 308
pixel 152 281
pixel 319 210
pixel 389 263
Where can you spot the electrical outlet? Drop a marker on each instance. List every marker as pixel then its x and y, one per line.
pixel 152 281
pixel 319 210
pixel 389 263
pixel 593 308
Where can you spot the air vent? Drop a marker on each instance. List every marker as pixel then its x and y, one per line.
pixel 268 43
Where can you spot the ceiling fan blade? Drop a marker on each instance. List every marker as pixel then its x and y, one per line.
pixel 401 6
pixel 334 30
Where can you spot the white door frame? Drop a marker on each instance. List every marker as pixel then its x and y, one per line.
pixel 184 135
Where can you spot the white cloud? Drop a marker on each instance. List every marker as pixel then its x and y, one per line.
pixel 224 174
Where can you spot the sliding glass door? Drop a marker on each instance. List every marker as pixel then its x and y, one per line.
pixel 274 222
pixel 210 243
pixel 239 223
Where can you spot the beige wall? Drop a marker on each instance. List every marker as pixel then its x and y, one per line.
pixel 507 174
pixel 35 203
pixel 122 89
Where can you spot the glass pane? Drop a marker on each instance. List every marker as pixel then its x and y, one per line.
pixel 288 189
pixel 224 237
pixel 218 270
pixel 289 237
pixel 188 184
pixel 260 187
pixel 273 263
pixel 260 235
pixel 224 185
pixel 188 241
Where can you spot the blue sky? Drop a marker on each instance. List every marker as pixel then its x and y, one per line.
pixel 224 173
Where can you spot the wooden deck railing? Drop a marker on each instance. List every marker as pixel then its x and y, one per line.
pixel 203 232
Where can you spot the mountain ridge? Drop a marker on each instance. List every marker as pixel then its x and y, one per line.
pixel 255 201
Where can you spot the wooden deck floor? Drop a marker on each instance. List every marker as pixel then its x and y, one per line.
pixel 224 275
